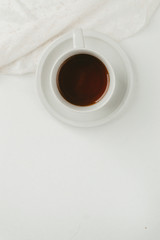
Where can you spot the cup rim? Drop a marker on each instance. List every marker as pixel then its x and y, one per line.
pixel 53 81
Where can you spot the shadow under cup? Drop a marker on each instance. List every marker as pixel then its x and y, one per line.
pixel 83 79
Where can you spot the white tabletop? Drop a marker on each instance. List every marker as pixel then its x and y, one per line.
pixel 64 183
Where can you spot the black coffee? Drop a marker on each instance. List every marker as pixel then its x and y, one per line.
pixel 83 80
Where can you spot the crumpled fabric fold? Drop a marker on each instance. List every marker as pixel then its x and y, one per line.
pixel 28 27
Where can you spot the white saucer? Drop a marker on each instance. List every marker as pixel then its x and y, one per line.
pixel 109 50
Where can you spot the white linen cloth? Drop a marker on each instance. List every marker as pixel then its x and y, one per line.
pixel 27 27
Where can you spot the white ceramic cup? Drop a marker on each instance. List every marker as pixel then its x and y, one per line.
pixel 79 48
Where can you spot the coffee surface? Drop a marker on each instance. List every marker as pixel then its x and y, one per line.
pixel 83 79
